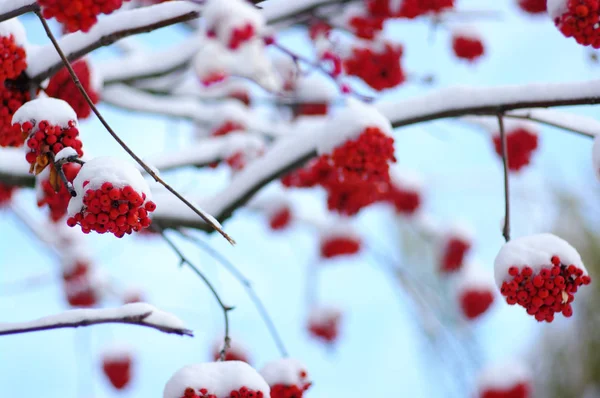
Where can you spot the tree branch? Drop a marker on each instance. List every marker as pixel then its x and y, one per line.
pixel 506 229
pixel 7 12
pixel 207 218
pixel 132 314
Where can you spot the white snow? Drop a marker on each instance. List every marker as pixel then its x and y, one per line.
pixel 213 58
pixel 406 179
pixel 15 28
pixel 324 314
pixel 56 111
pixel 157 318
pixel 472 276
pixel 235 346
pixel 339 227
pixel 285 371
pixel 349 123
pixel 64 153
pixel 46 56
pixel 503 376
pixel 225 16
pixel 230 111
pixel 106 169
pixel 117 352
pixel 315 88
pixel 219 378
pixel 466 31
pixel 596 156
pixel 12 5
pixel 534 251
pixel 556 8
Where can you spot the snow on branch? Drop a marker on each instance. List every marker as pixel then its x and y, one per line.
pixel 563 120
pixel 13 8
pixel 463 100
pixel 14 169
pixel 45 61
pixel 140 314
pixel 278 11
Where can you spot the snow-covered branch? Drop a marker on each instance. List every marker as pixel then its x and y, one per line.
pixel 13 8
pixel 44 62
pixel 140 314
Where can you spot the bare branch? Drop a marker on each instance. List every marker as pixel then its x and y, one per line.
pixel 506 229
pixel 132 314
pixel 207 218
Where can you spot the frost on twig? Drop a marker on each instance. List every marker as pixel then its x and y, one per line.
pixel 140 314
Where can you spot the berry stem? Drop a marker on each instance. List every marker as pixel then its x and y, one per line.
pixel 183 260
pixel 116 137
pixel 506 229
pixel 58 166
pixel 237 274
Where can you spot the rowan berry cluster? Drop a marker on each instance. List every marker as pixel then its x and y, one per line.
pixel 243 392
pixel 61 86
pixel 379 67
pixel 77 15
pixel 520 145
pixel 581 20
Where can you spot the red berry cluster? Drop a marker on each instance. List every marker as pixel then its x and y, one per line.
pixel 379 68
pixel 520 145
pixel 454 252
pixel 319 29
pixel 241 95
pixel 520 390
pixel 10 101
pixel 45 138
pixel 475 302
pixel 280 219
pixel 549 291
pixel 230 355
pixel 12 58
pixel 240 35
pixel 226 128
pixel 61 86
pixel 354 175
pixel 406 201
pixel 119 211
pixel 310 109
pixel 339 246
pixel 468 48
pixel 237 161
pixel 533 6
pixel 408 8
pixel 58 201
pixel 77 15
pixel 366 27
pixel 288 391
pixel 118 371
pixel 327 330
pixel 6 192
pixel 581 21
pixel 243 392
pixel 78 287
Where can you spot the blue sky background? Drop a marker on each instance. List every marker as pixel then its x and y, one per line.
pixel 382 352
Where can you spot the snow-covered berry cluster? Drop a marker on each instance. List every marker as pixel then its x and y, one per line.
pixel 61 86
pixel 116 365
pixel 77 15
pixel 579 19
pixel 313 93
pixel 404 191
pixel 541 273
pixel 233 23
pixel 505 380
pixel 50 125
pixel 475 291
pixel 227 127
pixel 78 284
pixel 6 193
pixel 47 183
pixel 235 352
pixel 13 58
pixel 366 26
pixel 379 65
pixel 407 8
pixel 324 323
pixel 11 99
pixel 521 143
pixel 112 196
pixel 287 378
pixel 228 379
pixel 533 6
pixel 455 245
pixel 467 44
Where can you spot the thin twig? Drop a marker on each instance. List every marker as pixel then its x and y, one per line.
pixel 529 117
pixel 245 282
pixel 184 261
pixel 506 229
pixel 147 168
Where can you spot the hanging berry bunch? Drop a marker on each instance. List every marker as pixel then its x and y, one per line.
pixel 579 19
pixel 11 99
pixel 50 125
pixel 61 86
pixel 324 323
pixel 287 378
pixel 280 218
pixel 116 365
pixel 233 23
pixel 78 284
pixel 505 380
pixel 475 291
pixel 404 192
pixel 112 196
pixel 415 8
pixel 228 379
pixel 339 245
pixel 455 245
pixel 77 15
pixel 521 143
pixel 541 273
pixel 378 65
pixel 51 190
pixel 467 44
pixel 13 58
pixel 533 6
pixel 6 193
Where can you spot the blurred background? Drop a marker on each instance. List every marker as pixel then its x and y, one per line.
pixel 402 333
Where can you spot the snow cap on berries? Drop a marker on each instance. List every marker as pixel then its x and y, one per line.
pixel 55 111
pixel 97 171
pixel 213 63
pixel 117 352
pixel 286 372
pixel 338 239
pixel 475 290
pixel 232 22
pixel 116 364
pixel 509 377
pixel 349 123
pixel 534 251
pixel 455 244
pixel 324 322
pixel 15 28
pixel 237 351
pixel 314 88
pixel 217 378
